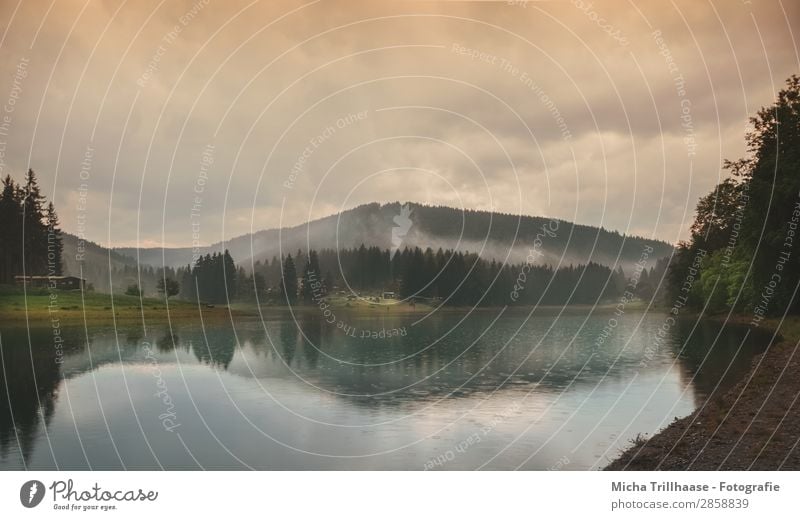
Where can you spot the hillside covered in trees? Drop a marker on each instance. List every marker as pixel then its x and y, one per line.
pixel 743 254
pixel 495 236
pixel 451 277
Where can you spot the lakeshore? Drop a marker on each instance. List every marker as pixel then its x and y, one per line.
pixel 754 425
pixel 39 306
pixel 472 381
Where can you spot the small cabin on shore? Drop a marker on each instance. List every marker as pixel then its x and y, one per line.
pixel 65 283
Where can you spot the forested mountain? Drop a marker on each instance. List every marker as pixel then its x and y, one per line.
pixel 743 253
pixel 96 262
pixel 495 236
pixel 492 237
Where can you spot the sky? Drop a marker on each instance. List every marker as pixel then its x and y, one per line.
pixel 167 123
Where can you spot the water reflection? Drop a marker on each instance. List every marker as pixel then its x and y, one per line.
pixel 321 389
pixel 29 384
pixel 713 357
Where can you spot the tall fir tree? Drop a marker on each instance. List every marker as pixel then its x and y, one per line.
pixel 10 231
pixel 289 280
pixel 34 230
pixel 229 270
pixel 311 276
pixel 55 245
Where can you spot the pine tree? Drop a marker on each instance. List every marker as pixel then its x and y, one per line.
pixel 55 246
pixel 229 269
pixel 289 280
pixel 311 276
pixel 10 231
pixel 187 284
pixel 34 230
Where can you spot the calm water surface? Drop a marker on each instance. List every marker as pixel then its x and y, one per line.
pixel 485 391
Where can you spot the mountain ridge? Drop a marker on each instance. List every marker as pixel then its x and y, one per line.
pixel 494 235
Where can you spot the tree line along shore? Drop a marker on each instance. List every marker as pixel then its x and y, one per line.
pixel 742 264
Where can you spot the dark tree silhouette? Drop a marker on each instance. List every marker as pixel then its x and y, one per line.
pixel 748 225
pixel 289 281
pixel 168 287
pixel 55 246
pixel 30 237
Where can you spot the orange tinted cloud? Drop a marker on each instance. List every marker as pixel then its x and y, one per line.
pixel 608 113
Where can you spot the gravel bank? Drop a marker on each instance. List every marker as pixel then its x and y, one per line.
pixel 754 426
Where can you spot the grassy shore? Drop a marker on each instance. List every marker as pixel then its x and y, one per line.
pixel 40 306
pixel 754 426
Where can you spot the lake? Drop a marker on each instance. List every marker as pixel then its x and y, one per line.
pixel 452 391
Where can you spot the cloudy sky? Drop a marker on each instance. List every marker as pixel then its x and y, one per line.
pixel 155 122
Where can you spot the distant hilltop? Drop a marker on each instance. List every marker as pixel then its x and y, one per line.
pixel 497 236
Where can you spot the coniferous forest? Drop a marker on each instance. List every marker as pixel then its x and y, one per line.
pixel 451 277
pixel 30 237
pixel 32 233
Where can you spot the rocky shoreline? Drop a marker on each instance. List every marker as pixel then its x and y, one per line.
pixel 754 426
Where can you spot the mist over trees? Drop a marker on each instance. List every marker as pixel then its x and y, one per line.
pixel 493 234
pixel 452 277
pixel 743 252
pixel 30 236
